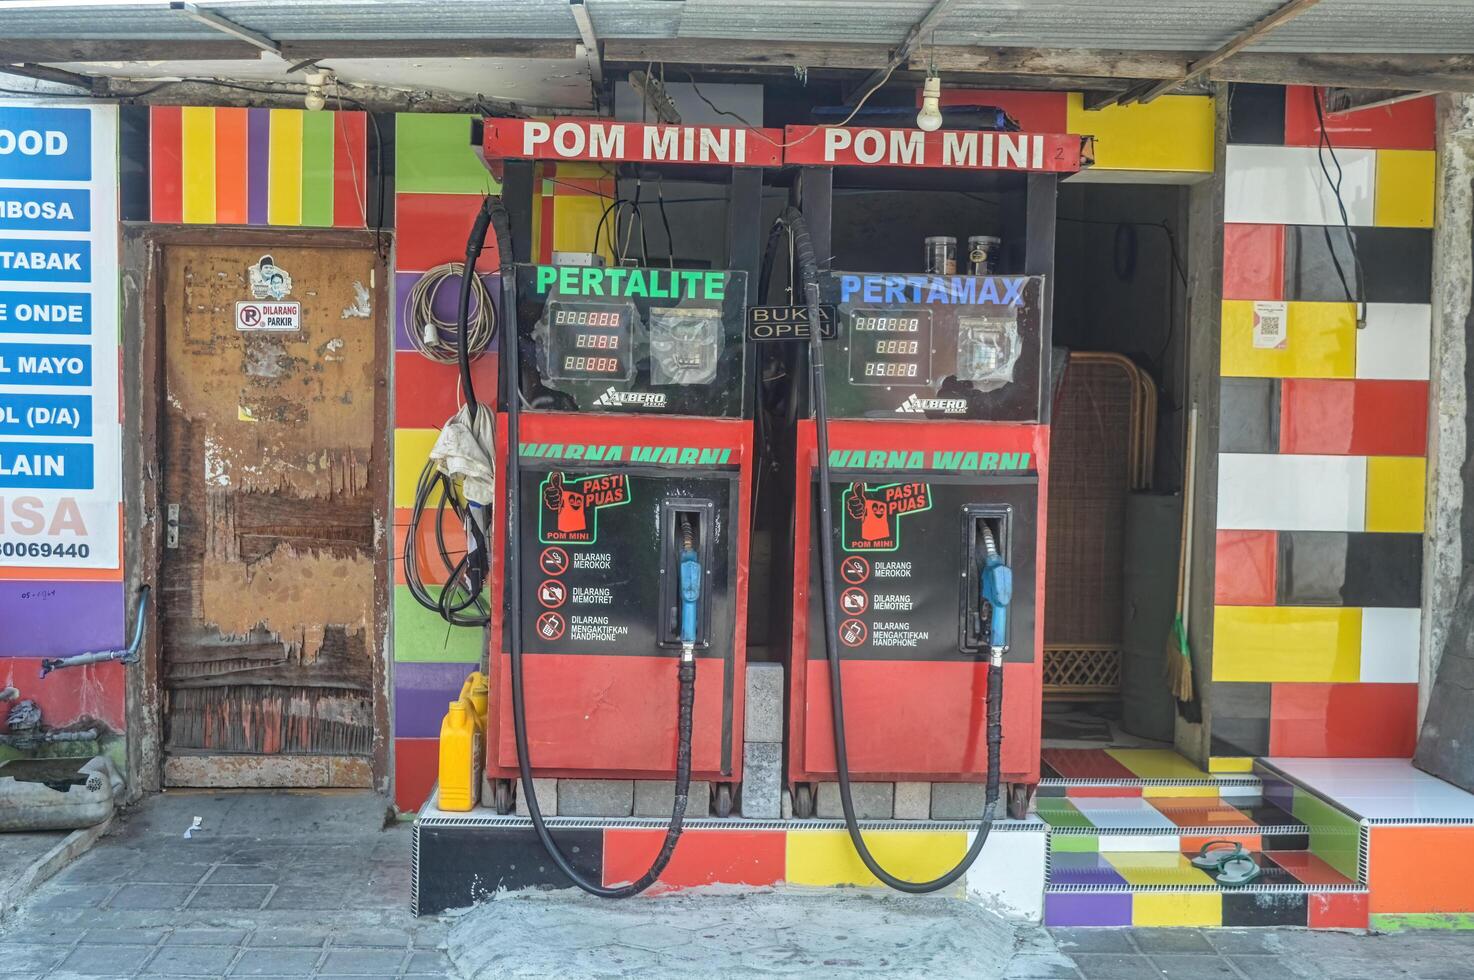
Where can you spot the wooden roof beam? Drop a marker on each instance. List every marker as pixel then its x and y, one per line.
pixel 580 10
pixel 928 22
pixel 225 25
pixel 56 76
pixel 1197 69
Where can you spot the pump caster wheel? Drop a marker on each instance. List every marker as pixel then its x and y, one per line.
pixel 1019 795
pixel 724 799
pixel 803 801
pixel 502 796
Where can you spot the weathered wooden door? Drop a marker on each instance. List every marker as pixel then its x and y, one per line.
pixel 275 461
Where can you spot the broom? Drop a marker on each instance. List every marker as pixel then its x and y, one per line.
pixel 1179 664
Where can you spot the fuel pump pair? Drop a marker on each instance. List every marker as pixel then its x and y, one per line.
pixel 618 561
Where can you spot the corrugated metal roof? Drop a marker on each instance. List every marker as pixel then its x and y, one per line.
pixel 1367 26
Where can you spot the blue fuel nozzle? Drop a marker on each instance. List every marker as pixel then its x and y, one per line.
pixel 690 595
pixel 997 591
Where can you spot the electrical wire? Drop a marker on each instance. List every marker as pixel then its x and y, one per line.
pixel 455 602
pixel 757 130
pixel 1323 147
pixel 436 338
pixel 670 239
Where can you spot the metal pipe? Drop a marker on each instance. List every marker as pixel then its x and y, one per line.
pixel 127 656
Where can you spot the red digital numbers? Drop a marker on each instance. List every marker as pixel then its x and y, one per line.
pixel 587 318
pixel 593 365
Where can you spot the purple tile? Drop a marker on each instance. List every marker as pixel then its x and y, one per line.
pixel 421 692
pixel 258 164
pixel 445 304
pixel 1277 791
pixel 1082 868
pixel 1087 909
pixel 57 619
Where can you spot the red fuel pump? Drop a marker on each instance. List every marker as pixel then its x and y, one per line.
pixel 919 507
pixel 623 539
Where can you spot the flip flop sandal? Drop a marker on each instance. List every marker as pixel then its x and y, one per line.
pixel 1212 854
pixel 1239 869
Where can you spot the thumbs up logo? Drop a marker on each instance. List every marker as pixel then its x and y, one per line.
pixel 872 514
pixel 567 503
pixel 874 521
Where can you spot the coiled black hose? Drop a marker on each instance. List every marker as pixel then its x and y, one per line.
pixel 686 676
pixel 808 276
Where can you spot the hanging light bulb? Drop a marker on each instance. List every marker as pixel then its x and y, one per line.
pixel 929 118
pixel 316 98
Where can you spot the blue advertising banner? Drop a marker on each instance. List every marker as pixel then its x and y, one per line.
pixel 60 436
pixel 45 260
pixel 46 465
pixel 68 365
pixel 45 143
pixel 45 209
pixel 45 415
pixel 48 313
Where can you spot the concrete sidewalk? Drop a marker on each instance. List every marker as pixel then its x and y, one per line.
pixel 276 884
pixel 317 885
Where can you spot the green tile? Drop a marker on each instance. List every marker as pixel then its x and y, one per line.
pixel 1386 922
pixel 1060 812
pixel 1079 843
pixel 421 636
pixel 317 169
pixel 433 155
pixel 1335 838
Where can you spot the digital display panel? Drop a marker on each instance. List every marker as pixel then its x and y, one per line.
pixel 890 346
pixel 590 341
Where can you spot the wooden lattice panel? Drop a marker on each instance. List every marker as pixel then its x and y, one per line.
pixel 1082 671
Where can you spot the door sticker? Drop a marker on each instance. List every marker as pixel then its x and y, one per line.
pixel 568 507
pixel 872 515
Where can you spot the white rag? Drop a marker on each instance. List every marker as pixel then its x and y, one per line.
pixel 464 453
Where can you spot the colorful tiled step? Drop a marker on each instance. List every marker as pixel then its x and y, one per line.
pixel 1126 870
pixel 1169 823
pixel 1244 907
pixel 1135 773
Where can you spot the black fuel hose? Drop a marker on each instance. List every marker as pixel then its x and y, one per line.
pixel 511 373
pixel 808 275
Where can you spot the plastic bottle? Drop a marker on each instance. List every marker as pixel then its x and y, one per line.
pixel 458 757
pixel 478 692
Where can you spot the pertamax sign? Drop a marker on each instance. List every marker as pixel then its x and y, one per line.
pixel 60 463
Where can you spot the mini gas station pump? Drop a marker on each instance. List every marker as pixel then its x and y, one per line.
pixel 623 539
pixel 919 511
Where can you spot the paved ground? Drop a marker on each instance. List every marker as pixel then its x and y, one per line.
pixel 317 885
pixel 1260 954
pixel 275 885
pixel 18 852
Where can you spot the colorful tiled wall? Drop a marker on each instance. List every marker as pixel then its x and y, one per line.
pixel 234 166
pixel 439 185
pixel 1323 431
pixel 440 182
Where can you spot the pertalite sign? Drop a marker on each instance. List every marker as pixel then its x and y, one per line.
pixel 268 316
pixel 60 441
